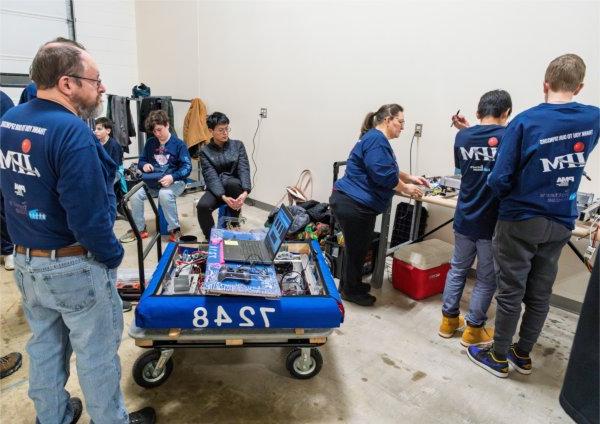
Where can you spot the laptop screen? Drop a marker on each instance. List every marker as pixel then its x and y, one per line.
pixel 280 227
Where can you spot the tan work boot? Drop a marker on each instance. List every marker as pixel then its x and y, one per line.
pixel 450 325
pixel 477 336
pixel 10 363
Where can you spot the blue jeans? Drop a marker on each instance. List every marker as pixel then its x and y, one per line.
pixel 72 305
pixel 465 250
pixel 167 198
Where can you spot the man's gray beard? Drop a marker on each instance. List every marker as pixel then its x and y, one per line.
pixel 91 112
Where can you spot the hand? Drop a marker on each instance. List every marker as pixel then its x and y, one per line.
pixel 166 181
pixel 148 168
pixel 415 179
pixel 460 122
pixel 412 190
pixel 239 201
pixel 230 201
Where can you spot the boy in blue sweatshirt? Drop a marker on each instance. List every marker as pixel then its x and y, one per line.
pixel 474 221
pixel 165 163
pixel 538 169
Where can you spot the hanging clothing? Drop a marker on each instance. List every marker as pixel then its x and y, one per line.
pixel 149 104
pixel 119 112
pixel 195 130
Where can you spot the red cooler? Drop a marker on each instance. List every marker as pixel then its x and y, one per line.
pixel 419 270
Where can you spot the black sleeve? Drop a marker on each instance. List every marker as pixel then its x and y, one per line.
pixel 211 176
pixel 244 168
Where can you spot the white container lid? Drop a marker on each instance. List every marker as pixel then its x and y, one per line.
pixel 426 254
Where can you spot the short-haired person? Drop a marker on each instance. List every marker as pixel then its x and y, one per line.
pixel 474 220
pixel 167 157
pixel 60 216
pixel 538 170
pixel 103 131
pixel 371 179
pixel 226 173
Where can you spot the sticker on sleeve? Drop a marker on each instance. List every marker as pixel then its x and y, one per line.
pixel 230 242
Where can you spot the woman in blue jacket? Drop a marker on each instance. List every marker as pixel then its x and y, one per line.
pixel 372 178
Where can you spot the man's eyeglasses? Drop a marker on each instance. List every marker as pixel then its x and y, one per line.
pixel 97 81
pixel 225 130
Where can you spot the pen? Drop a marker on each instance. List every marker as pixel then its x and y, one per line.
pixel 457 112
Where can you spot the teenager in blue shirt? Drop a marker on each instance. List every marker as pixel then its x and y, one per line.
pixel 474 220
pixel 538 169
pixel 371 179
pixel 166 157
pixel 103 131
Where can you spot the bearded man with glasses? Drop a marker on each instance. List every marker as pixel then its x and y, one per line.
pixel 57 182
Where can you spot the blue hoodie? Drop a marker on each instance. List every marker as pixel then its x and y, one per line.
pixel 172 158
pixel 57 181
pixel 371 172
pixel 540 162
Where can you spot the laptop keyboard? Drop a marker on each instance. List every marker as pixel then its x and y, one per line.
pixel 251 251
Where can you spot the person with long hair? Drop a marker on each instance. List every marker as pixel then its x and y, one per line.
pixel 371 179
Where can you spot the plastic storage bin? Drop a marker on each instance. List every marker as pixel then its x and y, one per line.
pixel 419 270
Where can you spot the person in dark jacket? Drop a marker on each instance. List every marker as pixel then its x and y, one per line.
pixel 372 178
pixel 226 173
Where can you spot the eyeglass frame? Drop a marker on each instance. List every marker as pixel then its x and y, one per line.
pixel 97 81
pixel 225 130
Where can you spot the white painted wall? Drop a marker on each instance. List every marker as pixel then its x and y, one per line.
pixel 105 28
pixel 320 66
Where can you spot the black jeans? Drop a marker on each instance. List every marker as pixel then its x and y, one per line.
pixel 209 202
pixel 358 223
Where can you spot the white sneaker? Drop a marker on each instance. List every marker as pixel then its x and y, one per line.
pixel 9 262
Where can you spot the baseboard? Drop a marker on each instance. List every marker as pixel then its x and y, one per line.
pixel 260 205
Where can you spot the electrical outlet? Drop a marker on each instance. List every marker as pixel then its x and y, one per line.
pixel 418 130
pixel 263 112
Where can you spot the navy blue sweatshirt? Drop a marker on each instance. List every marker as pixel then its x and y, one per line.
pixel 57 181
pixel 172 158
pixel 371 172
pixel 474 154
pixel 541 159
pixel 114 150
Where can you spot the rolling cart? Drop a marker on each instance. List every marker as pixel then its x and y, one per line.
pixel 165 321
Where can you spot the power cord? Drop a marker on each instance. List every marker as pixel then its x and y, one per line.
pixel 258 122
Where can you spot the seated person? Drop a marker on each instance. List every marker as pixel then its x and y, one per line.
pixel 226 173
pixel 165 164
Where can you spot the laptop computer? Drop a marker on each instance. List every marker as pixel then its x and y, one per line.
pixel 260 251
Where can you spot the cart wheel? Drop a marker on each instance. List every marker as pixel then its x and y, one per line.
pixel 144 370
pixel 304 366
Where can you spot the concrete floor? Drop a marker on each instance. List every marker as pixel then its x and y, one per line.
pixel 386 364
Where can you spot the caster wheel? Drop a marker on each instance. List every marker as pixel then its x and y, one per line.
pixel 144 370
pixel 304 368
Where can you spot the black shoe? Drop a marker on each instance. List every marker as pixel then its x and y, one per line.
pixel 10 363
pixel 363 288
pixel 362 299
pixel 126 306
pixel 143 416
pixel 77 407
